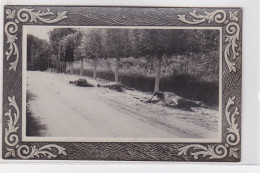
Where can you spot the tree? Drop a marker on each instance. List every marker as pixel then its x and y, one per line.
pixel 67 47
pixel 159 43
pixel 38 53
pixel 95 47
pixel 80 54
pixel 117 45
pixel 55 36
pixel 91 47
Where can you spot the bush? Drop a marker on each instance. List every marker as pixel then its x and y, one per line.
pixel 182 85
pixel 187 87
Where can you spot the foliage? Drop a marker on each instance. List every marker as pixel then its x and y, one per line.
pixel 91 45
pixel 190 52
pixel 183 51
pixel 200 41
pixel 201 66
pixel 68 45
pixel 38 53
pixel 56 35
pixel 118 43
pixel 156 43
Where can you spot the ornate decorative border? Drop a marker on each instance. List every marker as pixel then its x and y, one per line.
pixel 219 151
pixel 229 150
pixel 230 52
pixel 12 139
pixel 10 136
pixel 24 15
pixel 232 29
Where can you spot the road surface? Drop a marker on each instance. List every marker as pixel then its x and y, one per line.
pixel 70 111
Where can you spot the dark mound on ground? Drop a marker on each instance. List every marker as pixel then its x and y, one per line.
pixel 174 101
pixel 114 86
pixel 81 83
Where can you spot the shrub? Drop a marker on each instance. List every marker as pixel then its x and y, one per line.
pixel 183 85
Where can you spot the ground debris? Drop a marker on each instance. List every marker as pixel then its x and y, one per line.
pixel 81 83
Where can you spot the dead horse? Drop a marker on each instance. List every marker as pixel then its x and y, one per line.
pixel 115 86
pixel 172 100
pixel 81 83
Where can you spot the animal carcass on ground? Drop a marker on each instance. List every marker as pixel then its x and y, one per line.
pixel 172 100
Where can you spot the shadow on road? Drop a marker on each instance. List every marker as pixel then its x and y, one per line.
pixel 33 125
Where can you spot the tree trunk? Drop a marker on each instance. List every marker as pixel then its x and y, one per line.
pixel 95 69
pixel 108 64
pixel 48 61
pixel 81 67
pixel 59 66
pixel 157 75
pixel 65 68
pixel 71 67
pixel 56 65
pixel 117 69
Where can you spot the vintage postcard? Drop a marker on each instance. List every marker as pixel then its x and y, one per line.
pixel 122 83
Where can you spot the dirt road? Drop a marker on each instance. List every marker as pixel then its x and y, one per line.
pixel 70 111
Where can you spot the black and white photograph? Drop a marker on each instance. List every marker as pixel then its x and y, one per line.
pixel 122 83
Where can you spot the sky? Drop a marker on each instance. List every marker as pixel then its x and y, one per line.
pixel 40 31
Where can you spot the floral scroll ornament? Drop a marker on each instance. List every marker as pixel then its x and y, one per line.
pixel 11 137
pixel 232 30
pixel 25 15
pixel 219 151
pixel 219 16
pixel 12 140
